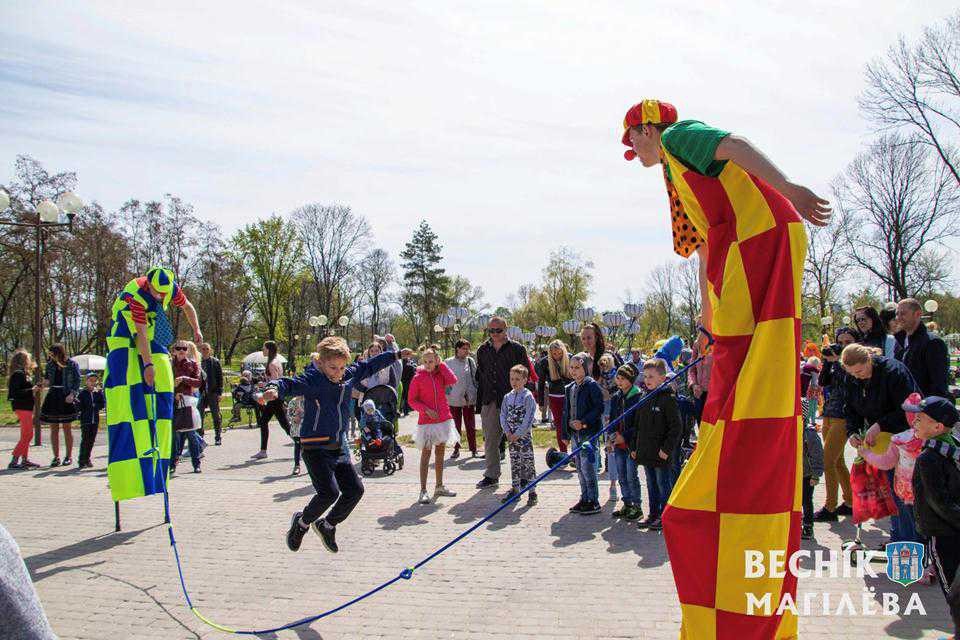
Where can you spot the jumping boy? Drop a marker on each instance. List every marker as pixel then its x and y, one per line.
pixel 326 390
pixel 936 492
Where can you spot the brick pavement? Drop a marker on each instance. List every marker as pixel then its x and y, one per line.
pixel 531 573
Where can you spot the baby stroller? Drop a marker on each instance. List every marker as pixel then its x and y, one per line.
pixel 388 452
pixel 243 400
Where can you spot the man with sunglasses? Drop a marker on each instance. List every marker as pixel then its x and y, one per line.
pixel 495 357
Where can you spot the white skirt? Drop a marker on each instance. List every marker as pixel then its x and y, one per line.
pixel 430 435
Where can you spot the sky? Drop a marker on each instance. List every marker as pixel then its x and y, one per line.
pixel 498 122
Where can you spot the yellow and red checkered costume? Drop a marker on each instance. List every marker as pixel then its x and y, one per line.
pixel 741 488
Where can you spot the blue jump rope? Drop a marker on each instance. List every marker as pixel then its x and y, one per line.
pixel 589 446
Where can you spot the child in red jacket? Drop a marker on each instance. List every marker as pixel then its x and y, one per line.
pixel 435 427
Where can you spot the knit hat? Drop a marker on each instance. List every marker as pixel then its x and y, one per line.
pixel 369 406
pixel 646 112
pixel 629 372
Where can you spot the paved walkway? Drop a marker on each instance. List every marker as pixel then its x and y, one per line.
pixel 531 573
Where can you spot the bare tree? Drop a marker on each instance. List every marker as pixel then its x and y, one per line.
pixel 376 273
pixel 660 308
pixel 827 264
pixel 900 208
pixel 917 88
pixel 688 289
pixel 334 240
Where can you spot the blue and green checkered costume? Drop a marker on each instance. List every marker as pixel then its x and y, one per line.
pixel 138 424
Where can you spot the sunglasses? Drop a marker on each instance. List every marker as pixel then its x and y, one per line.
pixel 180 348
pixel 494 330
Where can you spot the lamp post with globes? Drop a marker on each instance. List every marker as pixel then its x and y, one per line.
pixel 47 219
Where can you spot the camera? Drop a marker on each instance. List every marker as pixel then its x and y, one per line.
pixel 833 350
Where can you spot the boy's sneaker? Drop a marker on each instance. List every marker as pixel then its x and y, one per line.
pixel 28 464
pixel 295 533
pixel 622 512
pixel 825 515
pixel 577 507
pixel 196 469
pixel 327 533
pixel 217 442
pixel 506 498
pixel 259 455
pixel 844 510
pixel 441 491
pixel 14 464
pixel 635 513
pixel 424 498
pixel 67 461
pixel 55 462
pixel 532 499
pixel 654 524
pixel 806 533
pixel 590 508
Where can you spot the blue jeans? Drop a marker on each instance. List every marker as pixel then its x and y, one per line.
pixel 194 444
pixel 626 472
pixel 659 486
pixel 903 527
pixel 587 472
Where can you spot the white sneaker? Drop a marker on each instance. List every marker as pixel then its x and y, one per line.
pixel 442 491
pixel 259 455
pixel 424 498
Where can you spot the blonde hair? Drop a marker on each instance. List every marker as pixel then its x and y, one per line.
pixel 21 360
pixel 659 364
pixel 606 361
pixel 562 369
pixel 192 352
pixel 815 361
pixel 333 347
pixel 430 348
pixel 522 370
pixel 854 354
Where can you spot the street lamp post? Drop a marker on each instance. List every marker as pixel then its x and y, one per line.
pixel 48 218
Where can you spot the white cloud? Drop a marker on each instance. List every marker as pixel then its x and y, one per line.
pixel 497 121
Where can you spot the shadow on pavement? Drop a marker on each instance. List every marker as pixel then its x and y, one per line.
pixel 283 496
pixel 649 546
pixel 408 516
pixel 77 550
pixel 573 528
pixel 482 502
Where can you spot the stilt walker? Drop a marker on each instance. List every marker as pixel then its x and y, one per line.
pixel 139 384
pixel 740 490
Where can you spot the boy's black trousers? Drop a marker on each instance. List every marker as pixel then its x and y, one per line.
pixel 946 558
pixel 336 483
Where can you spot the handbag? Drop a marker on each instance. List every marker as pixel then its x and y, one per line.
pixel 872 497
pixel 183 417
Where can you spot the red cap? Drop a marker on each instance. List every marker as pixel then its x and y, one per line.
pixel 646 112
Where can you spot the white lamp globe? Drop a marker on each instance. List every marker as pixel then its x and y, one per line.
pixel 4 200
pixel 48 211
pixel 69 202
pixel 931 306
pixel 343 321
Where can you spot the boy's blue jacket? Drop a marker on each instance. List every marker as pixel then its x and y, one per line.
pixel 326 404
pixel 589 409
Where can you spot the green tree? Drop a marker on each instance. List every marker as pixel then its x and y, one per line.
pixel 271 250
pixel 425 282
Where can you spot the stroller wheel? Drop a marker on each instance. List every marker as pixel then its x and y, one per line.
pixel 400 461
pixel 366 469
pixel 389 468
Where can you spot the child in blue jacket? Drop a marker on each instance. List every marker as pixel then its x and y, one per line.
pixel 325 386
pixel 583 419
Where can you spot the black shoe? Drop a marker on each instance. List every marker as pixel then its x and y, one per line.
pixel 844 510
pixel 506 498
pixel 67 461
pixel 14 464
pixel 806 533
pixel 645 524
pixel 577 507
pixel 532 499
pixel 825 515
pixel 478 455
pixel 55 462
pixel 654 524
pixel 487 482
pixel 295 533
pixel 589 508
pixel 622 512
pixel 217 442
pixel 455 454
pixel 327 533
pixel 196 469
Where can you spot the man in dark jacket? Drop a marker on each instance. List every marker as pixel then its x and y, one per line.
pixel 925 355
pixel 212 389
pixel 936 491
pixel 495 357
pixel 657 434
pixel 875 390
